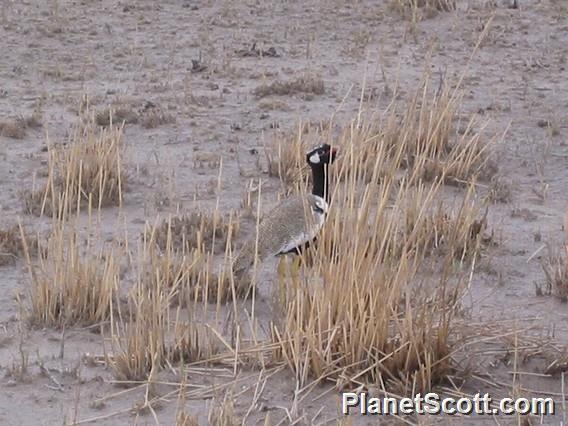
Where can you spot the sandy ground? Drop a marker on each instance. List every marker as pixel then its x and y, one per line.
pixel 55 52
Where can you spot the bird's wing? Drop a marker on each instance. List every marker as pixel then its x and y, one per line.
pixel 291 223
pixel 307 225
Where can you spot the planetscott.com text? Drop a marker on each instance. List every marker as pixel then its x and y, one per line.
pixel 432 403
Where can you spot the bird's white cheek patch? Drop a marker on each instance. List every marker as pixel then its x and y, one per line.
pixel 315 158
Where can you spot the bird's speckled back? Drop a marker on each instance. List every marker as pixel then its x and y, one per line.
pixel 293 217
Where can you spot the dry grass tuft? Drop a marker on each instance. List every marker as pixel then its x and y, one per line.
pixel 500 190
pixel 117 115
pixel 184 419
pixel 558 362
pixel 86 172
pixel 34 120
pixel 185 277
pixel 196 230
pixel 307 84
pixel 415 10
pixel 456 232
pixel 435 148
pixel 155 117
pixel 286 160
pixel 14 129
pixel 222 412
pixel 70 286
pixel 149 337
pixel 17 129
pixel 555 267
pixel 12 246
pixel 415 141
pixel 181 257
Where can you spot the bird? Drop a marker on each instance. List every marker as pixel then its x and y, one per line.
pixel 296 221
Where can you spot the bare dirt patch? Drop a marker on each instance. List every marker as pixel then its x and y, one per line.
pixel 147 139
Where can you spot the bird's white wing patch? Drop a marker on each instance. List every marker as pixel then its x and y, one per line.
pixel 320 203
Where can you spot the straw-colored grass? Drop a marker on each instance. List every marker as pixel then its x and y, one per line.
pixel 86 172
pixel 117 115
pixel 378 301
pixel 555 267
pixel 71 284
pixel 358 318
pixel 139 343
pixel 153 331
pixel 307 84
pixel 197 230
pixel 12 245
pixel 415 140
pixel 368 308
pixel 222 411
pixel 182 252
pixel 416 10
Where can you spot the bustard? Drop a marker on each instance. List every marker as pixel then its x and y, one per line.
pixel 296 221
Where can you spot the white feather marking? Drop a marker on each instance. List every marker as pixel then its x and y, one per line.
pixel 315 158
pixel 320 204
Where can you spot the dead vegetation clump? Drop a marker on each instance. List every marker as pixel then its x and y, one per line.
pixel 500 190
pixel 555 267
pixel 69 286
pixel 86 172
pixel 432 146
pixel 117 115
pixel 13 129
pixel 286 160
pixel 222 411
pixel 17 128
pixel 154 332
pixel 307 84
pixel 412 141
pixel 12 245
pixel 149 115
pixel 184 278
pixel 139 344
pixel 152 335
pixel 184 266
pixel 415 10
pixel 558 362
pixel 184 419
pixel 154 117
pixel 457 232
pixel 208 232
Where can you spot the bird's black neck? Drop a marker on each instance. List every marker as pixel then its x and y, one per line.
pixel 320 181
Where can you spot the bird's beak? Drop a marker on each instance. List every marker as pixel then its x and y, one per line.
pixel 334 152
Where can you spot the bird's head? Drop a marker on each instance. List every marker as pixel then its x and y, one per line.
pixel 321 154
